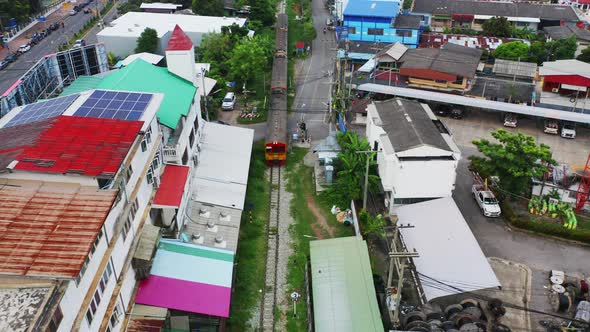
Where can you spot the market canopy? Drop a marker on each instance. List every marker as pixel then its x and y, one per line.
pixel 451 260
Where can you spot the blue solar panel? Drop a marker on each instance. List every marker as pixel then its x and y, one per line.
pixel 42 110
pixel 115 105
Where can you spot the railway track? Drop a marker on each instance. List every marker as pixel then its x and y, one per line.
pixel 269 293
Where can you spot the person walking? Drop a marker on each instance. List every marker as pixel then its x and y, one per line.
pixel 62 25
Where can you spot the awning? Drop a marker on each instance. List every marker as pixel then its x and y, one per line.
pixel 172 186
pixel 573 87
pixel 189 277
pixel 368 67
pixel 451 260
pixel 209 85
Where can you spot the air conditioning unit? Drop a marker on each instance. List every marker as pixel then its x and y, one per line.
pixel 555 90
pixel 156 183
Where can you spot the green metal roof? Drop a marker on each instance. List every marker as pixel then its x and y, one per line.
pixel 82 83
pixel 344 296
pixel 144 77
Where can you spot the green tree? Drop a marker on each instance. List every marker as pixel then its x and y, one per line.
pixel 563 49
pixel 372 225
pixel 208 7
pixel 17 9
pixel 408 4
pixel 112 59
pixel 147 41
pixel 263 11
pixel 249 56
pixel 515 159
pixel 585 55
pixel 497 27
pixel 538 52
pixel 309 32
pixel 512 51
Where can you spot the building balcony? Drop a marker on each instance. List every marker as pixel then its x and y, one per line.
pixel 172 154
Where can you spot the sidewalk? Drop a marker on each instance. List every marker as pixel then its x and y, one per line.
pixel 24 37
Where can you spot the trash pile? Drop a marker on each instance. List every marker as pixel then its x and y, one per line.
pixel 344 217
pixel 569 295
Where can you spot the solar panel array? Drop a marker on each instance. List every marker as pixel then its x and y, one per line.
pixel 115 105
pixel 42 110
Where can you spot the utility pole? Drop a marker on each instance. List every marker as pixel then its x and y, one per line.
pixel 397 259
pixel 366 175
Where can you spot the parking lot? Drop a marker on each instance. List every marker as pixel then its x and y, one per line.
pixel 478 124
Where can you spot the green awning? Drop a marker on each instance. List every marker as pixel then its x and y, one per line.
pixel 441 17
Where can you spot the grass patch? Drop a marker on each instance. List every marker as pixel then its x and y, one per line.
pixel 249 271
pixel 300 183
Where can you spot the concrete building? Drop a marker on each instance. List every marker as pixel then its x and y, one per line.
pixel 471 14
pixel 121 36
pixel 77 179
pixel 416 156
pixel 450 68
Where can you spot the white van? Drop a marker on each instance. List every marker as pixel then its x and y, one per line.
pixel 228 102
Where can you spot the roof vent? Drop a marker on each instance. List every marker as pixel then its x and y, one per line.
pixel 210 224
pixel 129 29
pixel 219 239
pixel 204 213
pixel 211 227
pixel 220 242
pixel 224 216
pixel 197 238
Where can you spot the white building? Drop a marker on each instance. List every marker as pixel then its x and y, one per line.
pixel 121 36
pixel 417 158
pixel 79 183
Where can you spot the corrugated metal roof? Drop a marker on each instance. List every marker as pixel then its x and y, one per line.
pixel 448 250
pixel 508 67
pixel 190 278
pixel 380 8
pixel 449 59
pixel 141 76
pixel 14 140
pixel 47 229
pixel 80 145
pixel 172 186
pixel 565 67
pixel 81 84
pixel 208 222
pixel 344 296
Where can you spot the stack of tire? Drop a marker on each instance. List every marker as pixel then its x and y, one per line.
pixel 466 316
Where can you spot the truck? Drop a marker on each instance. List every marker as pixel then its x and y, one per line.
pixel 486 200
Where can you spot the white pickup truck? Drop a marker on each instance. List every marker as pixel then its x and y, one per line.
pixel 487 201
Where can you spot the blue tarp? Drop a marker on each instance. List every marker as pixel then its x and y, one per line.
pixel 341 124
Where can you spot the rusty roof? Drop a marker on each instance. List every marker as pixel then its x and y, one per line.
pixel 14 140
pixel 47 229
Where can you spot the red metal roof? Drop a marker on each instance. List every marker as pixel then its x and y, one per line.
pixel 47 229
pixel 14 140
pixel 179 41
pixel 172 186
pixel 81 145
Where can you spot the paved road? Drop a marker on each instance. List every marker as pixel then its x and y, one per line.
pixel 311 75
pixel 540 254
pixel 48 45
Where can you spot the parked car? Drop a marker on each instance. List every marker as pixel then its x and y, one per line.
pixel 568 130
pixel 551 127
pixel 24 48
pixel 442 110
pixel 79 43
pixel 11 57
pixel 86 10
pixel 3 64
pixel 229 101
pixel 486 200
pixel 457 113
pixel 73 12
pixel 510 120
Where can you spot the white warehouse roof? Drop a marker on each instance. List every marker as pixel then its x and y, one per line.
pixel 132 24
pixel 160 5
pixel 450 260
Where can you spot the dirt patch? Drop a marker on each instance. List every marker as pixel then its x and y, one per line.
pixel 297 8
pixel 320 226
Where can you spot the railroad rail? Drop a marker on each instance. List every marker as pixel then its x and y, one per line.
pixel 269 292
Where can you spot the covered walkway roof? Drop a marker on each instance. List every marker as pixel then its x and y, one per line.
pixel 476 102
pixel 451 260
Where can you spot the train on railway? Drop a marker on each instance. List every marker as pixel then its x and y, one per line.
pixel 276 137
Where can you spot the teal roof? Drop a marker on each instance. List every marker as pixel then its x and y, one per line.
pixel 82 83
pixel 144 77
pixel 344 296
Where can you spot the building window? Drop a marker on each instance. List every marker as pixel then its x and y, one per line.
pixel 403 33
pixel 148 135
pixel 185 157
pixel 157 160
pixel 55 320
pixel 115 317
pixel 95 302
pixel 87 260
pixel 375 32
pixel 191 138
pixel 143 146
pixel 351 30
pixel 149 177
pixel 128 173
pixel 126 227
